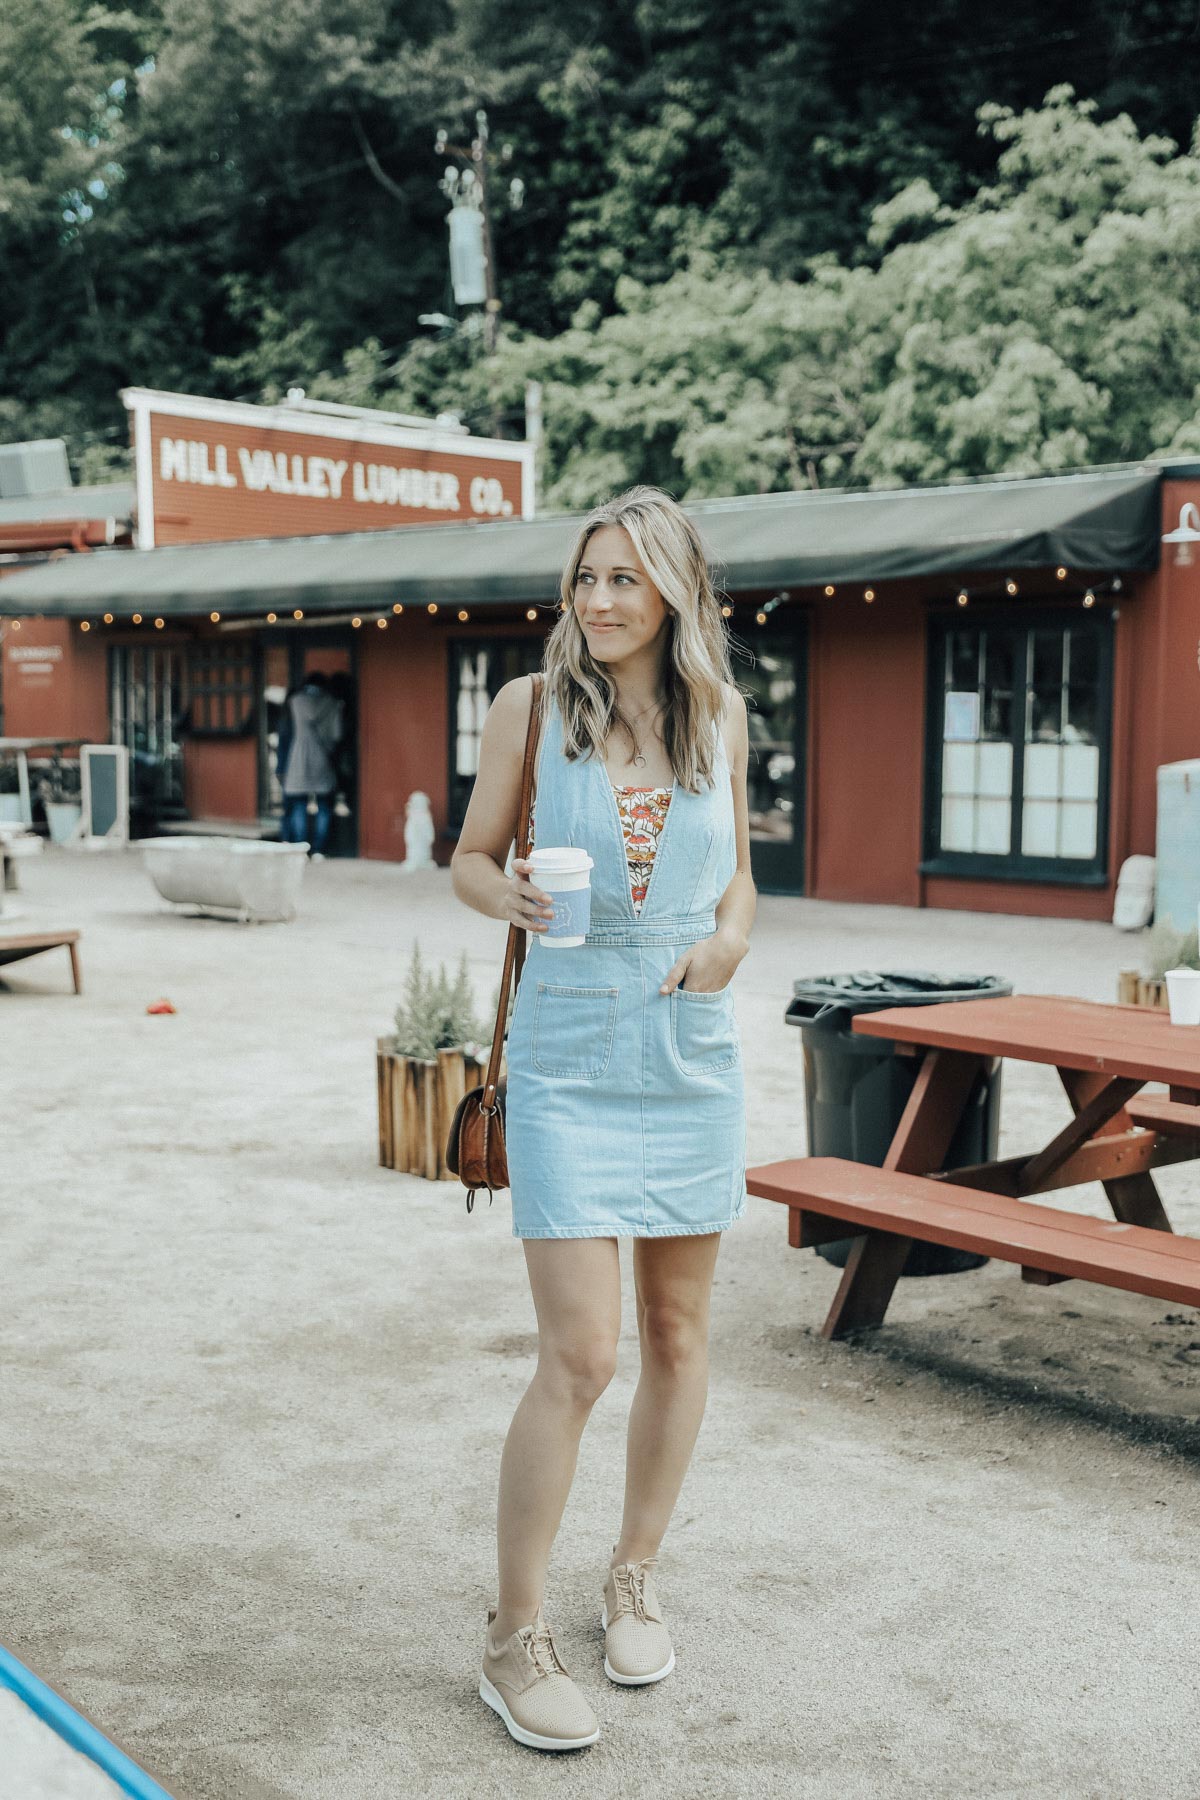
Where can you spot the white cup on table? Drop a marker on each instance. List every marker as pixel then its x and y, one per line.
pixel 1183 996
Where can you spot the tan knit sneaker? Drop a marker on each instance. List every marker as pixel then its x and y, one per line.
pixel 526 1682
pixel 637 1644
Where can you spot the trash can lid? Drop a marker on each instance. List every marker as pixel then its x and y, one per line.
pixel 870 990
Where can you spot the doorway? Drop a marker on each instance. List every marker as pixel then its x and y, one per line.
pixel 288 661
pixel 777 719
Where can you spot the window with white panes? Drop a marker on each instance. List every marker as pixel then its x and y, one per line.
pixel 1018 742
pixel 479 668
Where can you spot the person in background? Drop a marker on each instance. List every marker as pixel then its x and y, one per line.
pixel 309 733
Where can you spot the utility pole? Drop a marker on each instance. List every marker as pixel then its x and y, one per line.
pixel 472 252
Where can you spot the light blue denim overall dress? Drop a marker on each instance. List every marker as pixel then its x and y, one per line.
pixel 625 1109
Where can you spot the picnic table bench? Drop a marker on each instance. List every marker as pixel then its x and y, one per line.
pixel 15 946
pixel 1104 1055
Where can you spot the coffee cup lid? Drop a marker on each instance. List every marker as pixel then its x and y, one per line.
pixel 561 858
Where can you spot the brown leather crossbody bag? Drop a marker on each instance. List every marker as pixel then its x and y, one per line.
pixel 475 1150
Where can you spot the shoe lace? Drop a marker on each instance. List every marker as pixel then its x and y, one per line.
pixel 540 1644
pixel 631 1585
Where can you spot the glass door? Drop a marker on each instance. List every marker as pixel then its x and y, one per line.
pixel 777 715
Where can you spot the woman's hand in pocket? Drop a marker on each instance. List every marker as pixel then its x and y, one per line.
pixel 708 965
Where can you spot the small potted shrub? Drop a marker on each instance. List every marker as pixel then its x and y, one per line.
pixel 426 1065
pixel 58 791
pixel 1165 948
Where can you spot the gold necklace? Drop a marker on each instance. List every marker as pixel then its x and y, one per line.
pixel 638 759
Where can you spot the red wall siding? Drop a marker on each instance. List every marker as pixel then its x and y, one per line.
pixel 220 778
pixel 403 741
pixel 867 712
pixel 72 699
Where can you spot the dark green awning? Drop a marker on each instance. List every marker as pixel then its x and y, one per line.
pixel 1104 519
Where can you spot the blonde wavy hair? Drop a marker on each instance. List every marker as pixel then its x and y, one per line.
pixel 697 662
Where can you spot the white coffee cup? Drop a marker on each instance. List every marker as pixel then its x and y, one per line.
pixel 1183 996
pixel 564 872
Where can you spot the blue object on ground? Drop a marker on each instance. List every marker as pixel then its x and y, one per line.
pixel 77 1731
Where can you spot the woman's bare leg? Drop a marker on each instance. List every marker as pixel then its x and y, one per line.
pixel 673 1278
pixel 576 1285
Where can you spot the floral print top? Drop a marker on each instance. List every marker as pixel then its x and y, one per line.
pixel 643 813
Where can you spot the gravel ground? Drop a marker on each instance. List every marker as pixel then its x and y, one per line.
pixel 255 1389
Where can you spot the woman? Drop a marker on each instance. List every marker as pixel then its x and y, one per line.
pixel 625 1112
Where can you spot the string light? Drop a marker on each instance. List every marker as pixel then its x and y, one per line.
pixel 1089 599
pixel 464 614
pixel 215 617
pixel 382 624
pixel 830 591
pixel 1060 573
pixel 963 596
pixel 108 618
pixel 531 613
pixel 137 618
pixel 761 618
pixel 868 595
pixel 726 612
pixel 1010 586
pixel 158 624
pixel 84 626
pixel 397 608
pixel 432 607
pixel 357 624
pixel 270 618
pixel 299 613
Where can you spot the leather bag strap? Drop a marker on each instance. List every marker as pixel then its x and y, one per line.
pixel 514 952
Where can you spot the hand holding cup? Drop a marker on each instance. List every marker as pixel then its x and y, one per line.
pixel 527 907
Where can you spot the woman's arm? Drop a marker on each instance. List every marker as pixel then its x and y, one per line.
pixel 739 903
pixel 477 866
pixel 710 963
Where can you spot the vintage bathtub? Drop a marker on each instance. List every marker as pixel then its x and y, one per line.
pixel 228 876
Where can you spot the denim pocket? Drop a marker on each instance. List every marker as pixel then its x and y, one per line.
pixel 573 1029
pixel 704 1036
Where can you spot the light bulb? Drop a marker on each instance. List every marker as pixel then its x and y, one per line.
pixel 868 595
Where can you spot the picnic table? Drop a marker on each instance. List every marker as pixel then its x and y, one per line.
pixel 1104 1055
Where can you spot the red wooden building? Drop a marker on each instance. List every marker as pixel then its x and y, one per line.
pixel 959 696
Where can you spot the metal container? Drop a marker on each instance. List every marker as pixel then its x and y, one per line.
pixel 226 876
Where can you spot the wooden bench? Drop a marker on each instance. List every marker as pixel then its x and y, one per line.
pixel 15 946
pixel 830 1198
pixel 1171 1118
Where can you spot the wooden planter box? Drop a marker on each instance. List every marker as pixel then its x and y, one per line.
pixel 416 1104
pixel 1141 990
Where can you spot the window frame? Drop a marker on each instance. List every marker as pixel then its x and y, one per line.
pixel 526 656
pixel 1058 871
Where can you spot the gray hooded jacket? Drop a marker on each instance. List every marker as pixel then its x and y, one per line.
pixel 316 728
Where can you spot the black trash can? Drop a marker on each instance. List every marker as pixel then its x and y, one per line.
pixel 856 1087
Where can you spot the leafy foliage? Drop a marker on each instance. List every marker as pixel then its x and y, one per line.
pixel 437 1013
pixel 762 245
